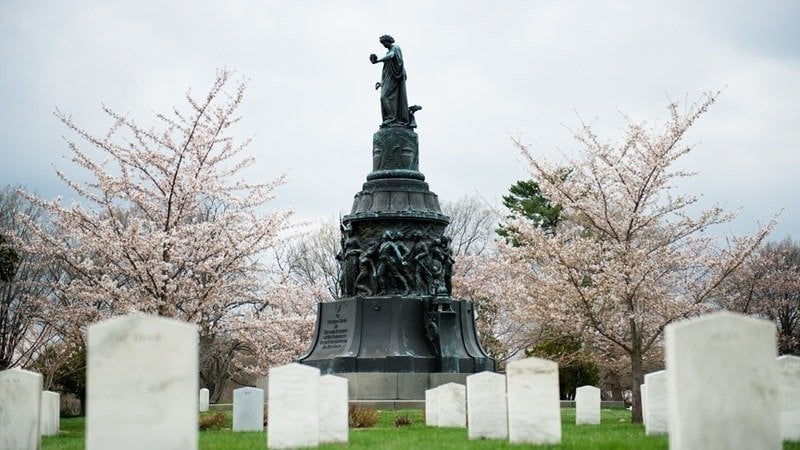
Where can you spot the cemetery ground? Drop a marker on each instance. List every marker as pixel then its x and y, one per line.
pixel 615 432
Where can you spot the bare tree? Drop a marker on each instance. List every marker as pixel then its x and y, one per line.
pixel 472 225
pixel 309 258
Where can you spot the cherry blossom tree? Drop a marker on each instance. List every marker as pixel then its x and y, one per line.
pixel 25 284
pixel 506 325
pixel 627 257
pixel 768 286
pixel 166 223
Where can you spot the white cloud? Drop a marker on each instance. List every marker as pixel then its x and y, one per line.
pixel 481 71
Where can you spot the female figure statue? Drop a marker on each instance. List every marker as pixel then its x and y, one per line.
pixel 394 101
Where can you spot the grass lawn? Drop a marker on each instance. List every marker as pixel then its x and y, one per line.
pixel 615 432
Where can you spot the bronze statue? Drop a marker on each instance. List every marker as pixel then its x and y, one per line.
pixel 442 266
pixel 366 280
pixel 392 271
pixel 447 263
pixel 394 101
pixel 422 262
pixel 348 258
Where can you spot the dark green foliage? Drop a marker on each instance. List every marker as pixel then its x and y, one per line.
pixel 525 200
pixel 69 376
pixel 575 368
pixel 9 260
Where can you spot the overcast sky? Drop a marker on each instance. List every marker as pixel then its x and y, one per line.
pixel 483 71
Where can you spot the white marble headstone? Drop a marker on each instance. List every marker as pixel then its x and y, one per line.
pixel 293 408
pixel 333 420
pixel 248 409
pixel 141 386
pixel 722 383
pixel 587 405
pixel 643 395
pixel 656 418
pixel 452 405
pixel 20 409
pixel 487 409
pixel 534 408
pixel 51 409
pixel 203 400
pixel 263 383
pixel 789 388
pixel 432 407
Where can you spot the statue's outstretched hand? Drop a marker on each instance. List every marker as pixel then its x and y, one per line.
pixel 373 58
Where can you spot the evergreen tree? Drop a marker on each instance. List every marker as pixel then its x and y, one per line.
pixel 525 200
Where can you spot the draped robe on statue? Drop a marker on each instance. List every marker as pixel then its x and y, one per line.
pixel 394 103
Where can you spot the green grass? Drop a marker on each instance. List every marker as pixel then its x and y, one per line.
pixel 615 432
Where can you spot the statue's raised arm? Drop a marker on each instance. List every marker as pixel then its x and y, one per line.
pixel 394 101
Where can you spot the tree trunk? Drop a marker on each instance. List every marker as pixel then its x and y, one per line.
pixel 216 392
pixel 82 398
pixel 637 378
pixel 615 386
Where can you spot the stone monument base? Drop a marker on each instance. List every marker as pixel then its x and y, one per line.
pixel 389 391
pixel 396 385
pixel 422 335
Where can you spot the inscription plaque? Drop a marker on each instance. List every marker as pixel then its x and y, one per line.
pixel 336 330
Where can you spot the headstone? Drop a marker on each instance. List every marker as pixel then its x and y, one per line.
pixel 534 409
pixel 722 383
pixel 452 405
pixel 487 409
pixel 655 412
pixel 333 420
pixel 643 396
pixel 51 406
pixel 789 388
pixel 141 385
pixel 20 409
pixel 293 409
pixel 432 407
pixel 248 409
pixel 203 400
pixel 587 405
pixel 263 384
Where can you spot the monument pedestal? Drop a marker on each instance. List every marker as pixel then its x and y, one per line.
pixel 396 390
pixel 417 335
pixel 388 390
